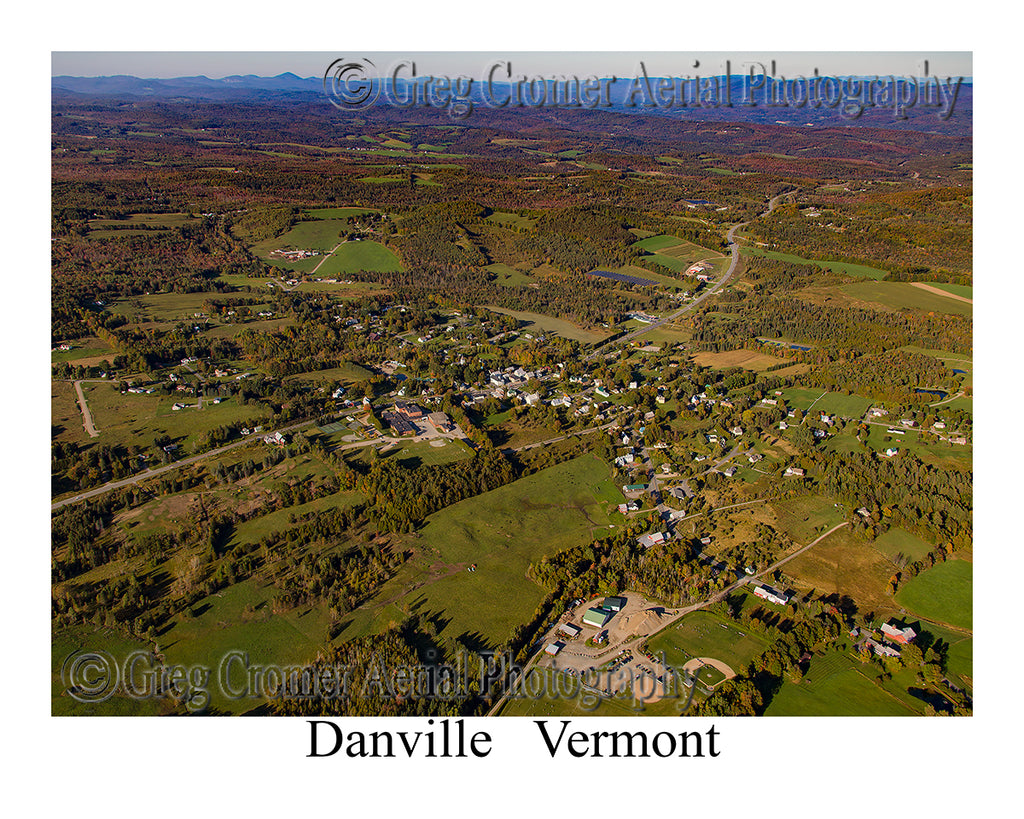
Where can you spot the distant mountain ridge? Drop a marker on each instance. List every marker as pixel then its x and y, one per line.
pixel 289 87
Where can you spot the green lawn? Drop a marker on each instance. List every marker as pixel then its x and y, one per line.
pixel 801 398
pixel 90 347
pixel 424 453
pixel 942 593
pixel 846 406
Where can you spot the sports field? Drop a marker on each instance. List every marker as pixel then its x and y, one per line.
pixel 702 634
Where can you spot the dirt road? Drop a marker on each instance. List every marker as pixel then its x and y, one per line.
pixel 86 415
pixel 939 292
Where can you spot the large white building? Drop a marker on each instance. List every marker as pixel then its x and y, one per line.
pixel 771 595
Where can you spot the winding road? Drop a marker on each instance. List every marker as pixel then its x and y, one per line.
pixel 734 250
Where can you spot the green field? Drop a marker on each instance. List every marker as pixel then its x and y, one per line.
pixel 844 564
pixel 846 406
pixel 316 234
pixel 127 419
pixel 898 542
pixel 702 634
pixel 138 224
pixel 963 290
pixel 239 619
pixel 801 398
pixel 831 403
pixel 537 323
pixel 511 220
pixel 847 268
pixel 502 532
pixel 424 453
pixel 83 348
pixel 349 372
pixel 678 255
pixel 835 686
pixel 805 517
pixel 901 295
pixel 352 257
pixel 71 642
pixel 652 244
pixel 255 529
pixel 165 307
pixel 942 593
pixel 929 450
pixel 508 276
pixel 338 213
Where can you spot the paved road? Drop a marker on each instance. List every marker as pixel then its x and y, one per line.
pixel 734 250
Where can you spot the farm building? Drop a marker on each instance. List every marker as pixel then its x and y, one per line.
pixel 900 635
pixel 771 595
pixel 597 617
pixel 569 630
pixel 879 649
pixel 651 539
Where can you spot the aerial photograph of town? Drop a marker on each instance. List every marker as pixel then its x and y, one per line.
pixel 512 385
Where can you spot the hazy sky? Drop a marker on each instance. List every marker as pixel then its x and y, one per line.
pixel 164 64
